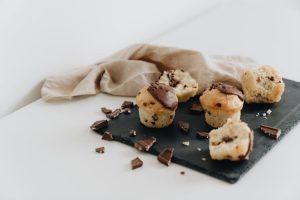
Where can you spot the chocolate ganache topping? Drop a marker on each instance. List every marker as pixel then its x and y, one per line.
pixel 227 89
pixel 164 94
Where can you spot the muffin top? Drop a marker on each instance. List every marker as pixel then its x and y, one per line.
pixel 222 96
pixel 156 98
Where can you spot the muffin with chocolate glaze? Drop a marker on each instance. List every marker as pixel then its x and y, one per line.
pixel 221 102
pixel 157 105
pixel 184 85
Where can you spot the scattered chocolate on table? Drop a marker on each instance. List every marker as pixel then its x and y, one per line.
pixel 270 131
pixel 97 125
pixel 196 108
pixel 127 104
pixel 114 114
pixel 126 111
pixel 106 110
pixel 165 156
pixel 100 150
pixel 145 145
pixel 184 126
pixel 136 163
pixel 202 135
pixel 132 133
pixel 107 136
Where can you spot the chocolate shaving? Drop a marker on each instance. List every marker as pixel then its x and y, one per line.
pixel 97 125
pixel 164 94
pixel 202 135
pixel 127 104
pixel 114 114
pixel 100 150
pixel 107 136
pixel 270 131
pixel 145 145
pixel 106 110
pixel 132 133
pixel 184 126
pixel 136 163
pixel 227 89
pixel 165 156
pixel 197 108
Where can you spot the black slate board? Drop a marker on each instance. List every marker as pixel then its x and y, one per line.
pixel 285 115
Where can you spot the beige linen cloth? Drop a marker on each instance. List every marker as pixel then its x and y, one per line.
pixel 128 70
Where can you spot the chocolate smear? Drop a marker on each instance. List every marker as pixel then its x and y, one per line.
pixel 136 163
pixel 270 131
pixel 164 94
pixel 145 145
pixel 165 156
pixel 228 89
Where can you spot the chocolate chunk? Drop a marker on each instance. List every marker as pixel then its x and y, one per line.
pixel 228 89
pixel 145 145
pixel 127 104
pixel 132 133
pixel 99 125
pixel 197 108
pixel 136 163
pixel 126 111
pixel 165 156
pixel 184 126
pixel 202 135
pixel 100 150
pixel 106 110
pixel 164 94
pixel 107 136
pixel 114 114
pixel 271 131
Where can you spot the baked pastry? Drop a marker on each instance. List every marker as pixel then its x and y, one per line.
pixel 157 105
pixel 262 85
pixel 220 102
pixel 233 141
pixel 184 85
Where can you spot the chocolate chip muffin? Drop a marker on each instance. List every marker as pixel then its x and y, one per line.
pixel 184 85
pixel 233 141
pixel 157 105
pixel 262 85
pixel 221 102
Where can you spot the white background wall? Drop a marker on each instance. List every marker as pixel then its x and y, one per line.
pixel 42 37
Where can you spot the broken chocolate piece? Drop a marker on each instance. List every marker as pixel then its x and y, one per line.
pixel 270 131
pixel 114 114
pixel 227 89
pixel 100 150
pixel 97 125
pixel 197 108
pixel 145 145
pixel 182 172
pixel 202 135
pixel 106 110
pixel 127 104
pixel 164 94
pixel 184 126
pixel 126 111
pixel 132 133
pixel 107 136
pixel 165 156
pixel 136 163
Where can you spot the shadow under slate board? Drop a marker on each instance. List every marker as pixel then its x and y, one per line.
pixel 285 115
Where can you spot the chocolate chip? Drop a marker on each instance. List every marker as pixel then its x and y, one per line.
pixel 106 110
pixel 107 136
pixel 184 126
pixel 114 114
pixel 202 135
pixel 99 125
pixel 146 120
pixel 155 117
pixel 219 105
pixel 145 104
pixel 227 139
pixel 197 108
pixel 227 89
pixel 136 163
pixel 153 123
pixel 127 104
pixel 152 103
pixel 165 156
pixel 270 131
pixel 145 145
pixel 100 150
pixel 171 116
pixel 271 78
pixel 132 133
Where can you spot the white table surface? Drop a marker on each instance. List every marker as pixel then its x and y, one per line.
pixel 47 149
